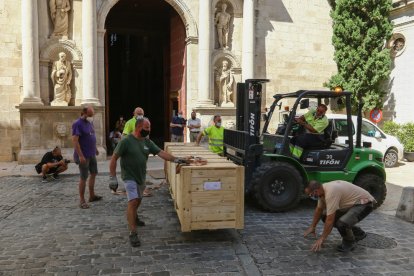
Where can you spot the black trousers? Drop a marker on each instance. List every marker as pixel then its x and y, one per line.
pixel 345 220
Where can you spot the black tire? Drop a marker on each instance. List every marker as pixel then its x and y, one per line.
pixel 391 158
pixel 375 185
pixel 277 186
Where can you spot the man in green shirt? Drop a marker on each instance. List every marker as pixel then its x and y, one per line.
pixel 130 124
pixel 314 123
pixel 134 151
pixel 215 136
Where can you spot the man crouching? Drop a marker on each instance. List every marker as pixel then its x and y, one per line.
pixel 345 205
pixel 52 164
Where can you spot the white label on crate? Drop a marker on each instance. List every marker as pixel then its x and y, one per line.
pixel 212 186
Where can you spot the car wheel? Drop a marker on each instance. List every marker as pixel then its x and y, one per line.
pixel 390 158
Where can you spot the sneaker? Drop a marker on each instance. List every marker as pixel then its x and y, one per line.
pixel 139 222
pixel 359 234
pixel 44 179
pixel 360 237
pixel 55 176
pixel 133 239
pixel 346 246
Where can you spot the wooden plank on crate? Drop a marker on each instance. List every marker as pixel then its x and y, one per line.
pixel 218 169
pixel 240 195
pixel 212 198
pixel 184 186
pixel 200 225
pixel 214 213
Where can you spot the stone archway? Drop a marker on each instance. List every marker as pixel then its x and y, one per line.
pixel 179 6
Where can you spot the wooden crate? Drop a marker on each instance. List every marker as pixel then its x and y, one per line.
pixel 209 196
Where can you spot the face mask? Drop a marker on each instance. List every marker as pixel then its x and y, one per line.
pixel 314 196
pixel 144 133
pixel 218 124
pixel 139 117
pixel 90 119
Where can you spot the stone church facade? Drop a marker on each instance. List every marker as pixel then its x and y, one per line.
pixel 163 55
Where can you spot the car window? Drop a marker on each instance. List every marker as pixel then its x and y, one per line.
pixel 369 129
pixel 341 125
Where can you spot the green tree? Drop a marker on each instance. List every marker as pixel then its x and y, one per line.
pixel 360 31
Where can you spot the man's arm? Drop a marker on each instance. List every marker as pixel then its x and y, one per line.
pixel 112 165
pixel 199 138
pixel 329 223
pixel 316 217
pixel 75 140
pixel 307 126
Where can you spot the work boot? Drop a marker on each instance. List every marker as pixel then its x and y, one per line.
pixel 139 222
pixel 359 234
pixel 133 239
pixel 346 246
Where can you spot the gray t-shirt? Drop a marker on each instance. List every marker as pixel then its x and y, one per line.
pixel 195 122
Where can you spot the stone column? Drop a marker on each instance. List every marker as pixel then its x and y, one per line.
pixel 30 53
pixel 204 53
pixel 89 48
pixel 248 39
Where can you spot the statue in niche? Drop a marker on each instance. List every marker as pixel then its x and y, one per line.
pixel 59 12
pixel 61 78
pixel 222 22
pixel 225 83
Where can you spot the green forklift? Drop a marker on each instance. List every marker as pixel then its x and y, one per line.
pixel 273 177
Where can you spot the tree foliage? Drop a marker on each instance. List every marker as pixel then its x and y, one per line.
pixel 360 31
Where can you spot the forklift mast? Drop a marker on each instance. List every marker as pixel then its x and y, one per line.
pixel 245 140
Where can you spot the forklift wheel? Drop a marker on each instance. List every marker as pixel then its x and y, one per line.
pixel 375 185
pixel 277 186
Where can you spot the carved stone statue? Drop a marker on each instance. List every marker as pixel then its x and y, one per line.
pixel 61 78
pixel 59 12
pixel 225 83
pixel 222 22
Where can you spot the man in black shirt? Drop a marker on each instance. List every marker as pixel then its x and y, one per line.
pixel 52 163
pixel 177 127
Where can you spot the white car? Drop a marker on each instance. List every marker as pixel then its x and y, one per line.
pixel 389 145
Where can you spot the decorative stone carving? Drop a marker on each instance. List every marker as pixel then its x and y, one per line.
pixel 225 84
pixel 61 129
pixel 59 12
pixel 222 22
pixel 61 78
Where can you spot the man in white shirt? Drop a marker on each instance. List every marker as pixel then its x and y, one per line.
pixel 345 204
pixel 194 125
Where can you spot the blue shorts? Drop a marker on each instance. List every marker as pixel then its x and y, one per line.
pixel 133 190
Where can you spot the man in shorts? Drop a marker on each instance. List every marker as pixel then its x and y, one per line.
pixel 84 142
pixel 134 151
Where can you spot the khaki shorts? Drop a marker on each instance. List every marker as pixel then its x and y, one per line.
pixel 90 166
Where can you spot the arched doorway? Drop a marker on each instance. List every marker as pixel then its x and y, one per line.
pixel 145 63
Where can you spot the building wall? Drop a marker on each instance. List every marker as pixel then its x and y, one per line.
pixel 10 78
pixel 293 42
pixel 398 103
pixel 293 50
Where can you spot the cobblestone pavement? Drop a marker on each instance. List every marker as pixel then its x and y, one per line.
pixel 44 232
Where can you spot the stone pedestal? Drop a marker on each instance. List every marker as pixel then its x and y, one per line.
pixel 405 208
pixel 44 127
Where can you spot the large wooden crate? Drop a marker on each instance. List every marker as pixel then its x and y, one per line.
pixel 209 196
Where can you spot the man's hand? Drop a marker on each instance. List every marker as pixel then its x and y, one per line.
pixel 181 160
pixel 97 152
pixel 113 183
pixel 310 230
pixel 317 245
pixel 82 160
